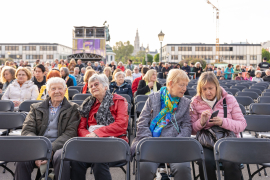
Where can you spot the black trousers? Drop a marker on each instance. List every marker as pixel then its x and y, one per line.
pixel 232 171
pixel 79 169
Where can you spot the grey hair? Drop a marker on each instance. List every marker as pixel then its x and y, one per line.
pixel 119 73
pixel 267 71
pixel 83 68
pixel 120 63
pixel 258 71
pixel 102 78
pixel 197 64
pixel 77 68
pixel 96 63
pixel 65 69
pixel 55 80
pixel 154 63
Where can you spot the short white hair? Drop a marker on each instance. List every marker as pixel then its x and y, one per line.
pixel 77 68
pixel 258 71
pixel 154 63
pixel 55 80
pixel 267 71
pixel 96 63
pixel 197 64
pixel 102 78
pixel 119 73
pixel 120 63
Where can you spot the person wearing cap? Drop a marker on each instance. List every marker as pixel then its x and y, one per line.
pixel 239 77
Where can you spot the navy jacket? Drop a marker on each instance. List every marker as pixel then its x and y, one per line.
pixel 187 69
pixel 97 68
pixel 125 88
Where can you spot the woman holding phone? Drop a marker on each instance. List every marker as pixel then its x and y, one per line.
pixel 210 98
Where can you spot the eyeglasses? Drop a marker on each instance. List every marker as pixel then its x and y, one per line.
pixel 21 75
pixel 95 85
pixel 183 86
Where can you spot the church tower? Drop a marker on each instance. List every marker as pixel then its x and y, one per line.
pixel 136 44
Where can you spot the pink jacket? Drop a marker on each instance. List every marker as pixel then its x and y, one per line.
pixel 235 120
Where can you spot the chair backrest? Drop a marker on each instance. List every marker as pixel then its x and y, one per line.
pixel 232 90
pixel 80 96
pixel 243 109
pixel 258 91
pixel 265 84
pixel 244 100
pixel 262 88
pixel 1 94
pixel 267 90
pixel 264 99
pixel 160 75
pixel 242 150
pixel 79 88
pixel 127 97
pixel 6 105
pixel 79 102
pixel 258 123
pixel 239 87
pixel 24 148
pixel 253 95
pixel 81 84
pixel 25 105
pixel 11 120
pixel 72 92
pixel 140 98
pixel 260 108
pixel 224 86
pixel 139 106
pixel 192 92
pixel 266 94
pixel 194 86
pixel 128 81
pixel 96 150
pixel 246 85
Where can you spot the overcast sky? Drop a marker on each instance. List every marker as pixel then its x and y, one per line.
pixel 182 21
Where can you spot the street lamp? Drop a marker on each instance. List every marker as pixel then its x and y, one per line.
pixel 146 50
pixel 161 37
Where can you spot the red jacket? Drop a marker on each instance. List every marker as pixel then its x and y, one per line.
pixel 120 113
pixel 135 84
pixel 122 68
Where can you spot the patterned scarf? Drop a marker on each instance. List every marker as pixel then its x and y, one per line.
pixel 103 115
pixel 168 107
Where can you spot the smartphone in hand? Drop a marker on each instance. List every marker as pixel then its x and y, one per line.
pixel 214 114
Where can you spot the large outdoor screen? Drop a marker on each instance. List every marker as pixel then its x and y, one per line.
pixel 95 46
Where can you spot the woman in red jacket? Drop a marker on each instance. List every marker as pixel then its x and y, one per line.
pixel 102 115
pixel 120 66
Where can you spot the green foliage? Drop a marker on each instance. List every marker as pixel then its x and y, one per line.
pixel 149 59
pixel 193 60
pixel 143 61
pixel 123 51
pixel 266 54
pixel 156 58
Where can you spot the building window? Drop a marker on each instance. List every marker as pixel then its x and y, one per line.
pixel 12 48
pixel 49 56
pixel 201 48
pixel 253 57
pixel 48 48
pixel 13 56
pixel 225 48
pixel 2 56
pixel 34 56
pixel 29 48
pixel 172 48
pixel 205 57
pixel 181 48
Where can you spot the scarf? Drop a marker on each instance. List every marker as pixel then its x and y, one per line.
pixel 168 107
pixel 85 88
pixel 210 103
pixel 154 87
pixel 103 115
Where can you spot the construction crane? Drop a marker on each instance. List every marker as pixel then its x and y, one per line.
pixel 217 58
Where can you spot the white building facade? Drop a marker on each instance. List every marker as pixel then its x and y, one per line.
pixel 110 55
pixel 242 54
pixel 34 51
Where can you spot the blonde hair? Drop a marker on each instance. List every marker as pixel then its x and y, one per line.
pixel 176 75
pixel 11 70
pixel 149 74
pixel 72 61
pixel 88 74
pixel 208 77
pixel 88 68
pixel 128 70
pixel 109 69
pixel 27 72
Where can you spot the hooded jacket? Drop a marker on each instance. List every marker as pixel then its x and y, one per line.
pixel 235 120
pixel 125 88
pixel 28 91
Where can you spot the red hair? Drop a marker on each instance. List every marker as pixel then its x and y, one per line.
pixel 53 73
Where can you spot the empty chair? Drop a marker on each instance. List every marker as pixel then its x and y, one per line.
pixel 79 88
pixel 25 148
pixel 95 150
pixel 264 99
pixel 266 94
pixel 239 87
pixel 79 102
pixel 267 90
pixel 232 90
pixel 6 105
pixel 80 96
pixel 138 109
pixel 246 85
pixel 258 91
pixel 253 95
pixel 128 81
pixel 194 86
pixel 263 83
pixel 262 88
pixel 229 85
pixel 192 92
pixel 81 84
pixel 25 105
pixel 140 98
pixel 224 86
pixel 243 109
pixel 260 108
pixel 241 150
pixel 72 92
pixel 127 97
pixel 152 150
pixel 244 100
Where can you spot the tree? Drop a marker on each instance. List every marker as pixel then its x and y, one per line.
pixel 123 51
pixel 149 59
pixel 266 54
pixel 143 61
pixel 156 58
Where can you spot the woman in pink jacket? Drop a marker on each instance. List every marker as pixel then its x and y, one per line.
pixel 209 98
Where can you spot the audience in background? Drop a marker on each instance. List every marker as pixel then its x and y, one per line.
pixel 208 67
pixel 121 66
pixel 72 66
pixel 108 72
pixel 113 67
pixel 267 76
pixel 39 78
pixel 77 76
pixel 137 80
pixel 236 71
pixel 228 72
pixel 136 73
pixel 65 75
pixel 7 76
pixel 219 75
pixel 129 75
pixel 82 71
pixel 251 71
pixel 97 68
pixel 154 66
pixel 80 65
pixel 149 84
pixel 62 64
pixel 248 77
pixel 240 77
pixel 88 74
pixel 186 68
pixel 56 63
pixel 257 77
pixel 116 71
pixel 160 66
pixel 120 86
pixel 165 70
pixel 130 66
pixel 243 68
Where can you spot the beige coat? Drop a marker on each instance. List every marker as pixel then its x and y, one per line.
pixel 28 91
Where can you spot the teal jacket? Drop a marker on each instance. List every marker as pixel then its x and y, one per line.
pixel 226 72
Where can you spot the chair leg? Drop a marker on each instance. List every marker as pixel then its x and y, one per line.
pixel 6 168
pixel 258 169
pixel 265 173
pixel 193 170
pixel 249 174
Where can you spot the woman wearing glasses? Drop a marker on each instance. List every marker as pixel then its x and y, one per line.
pixel 166 114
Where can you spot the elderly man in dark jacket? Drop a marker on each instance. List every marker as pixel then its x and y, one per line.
pixel 55 118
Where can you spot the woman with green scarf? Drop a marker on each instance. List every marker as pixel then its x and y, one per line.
pixel 236 71
pixel 166 114
pixel 149 83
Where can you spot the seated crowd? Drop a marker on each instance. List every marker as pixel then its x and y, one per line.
pixel 166 113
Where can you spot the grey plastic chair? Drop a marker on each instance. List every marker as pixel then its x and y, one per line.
pixel 244 100
pixel 262 88
pixel 25 105
pixel 177 150
pixel 260 108
pixel 127 97
pixel 96 150
pixel 25 148
pixel 1 94
pixel 138 109
pixel 72 92
pixel 264 99
pixel 192 92
pixel 239 87
pixel 232 90
pixel 246 85
pixel 140 98
pixel 240 150
pixel 188 96
pixel 243 109
pixel 267 90
pixel 128 81
pixel 258 91
pixel 78 88
pixel 253 95
pixel 266 94
pixel 6 105
pixel 80 96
